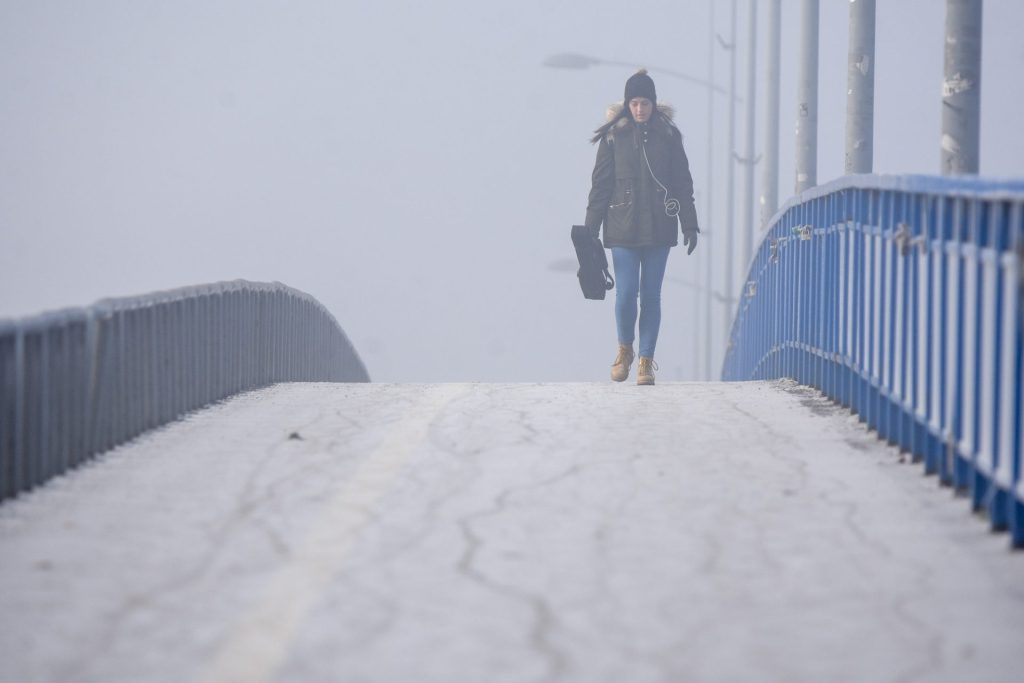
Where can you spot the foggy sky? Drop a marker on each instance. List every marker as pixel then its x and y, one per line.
pixel 413 166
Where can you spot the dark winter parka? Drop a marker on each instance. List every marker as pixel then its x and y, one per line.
pixel 625 197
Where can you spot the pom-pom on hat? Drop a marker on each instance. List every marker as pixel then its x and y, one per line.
pixel 640 85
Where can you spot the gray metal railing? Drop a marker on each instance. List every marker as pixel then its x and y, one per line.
pixel 77 382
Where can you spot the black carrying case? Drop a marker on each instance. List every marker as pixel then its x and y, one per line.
pixel 593 274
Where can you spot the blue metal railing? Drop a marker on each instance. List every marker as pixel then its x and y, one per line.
pixel 78 382
pixel 901 298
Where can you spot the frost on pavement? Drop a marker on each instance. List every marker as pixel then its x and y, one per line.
pixel 505 532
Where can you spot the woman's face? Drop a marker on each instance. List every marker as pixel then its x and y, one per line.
pixel 641 108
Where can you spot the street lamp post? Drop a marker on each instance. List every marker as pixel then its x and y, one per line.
pixel 749 160
pixel 807 99
pixel 709 261
pixel 961 88
pixel 770 179
pixel 730 209
pixel 860 88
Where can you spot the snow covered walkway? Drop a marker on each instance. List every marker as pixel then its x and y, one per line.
pixel 518 532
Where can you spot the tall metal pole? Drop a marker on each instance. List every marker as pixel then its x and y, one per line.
pixel 747 223
pixel 695 357
pixel 709 240
pixel 730 193
pixel 961 89
pixel 860 88
pixel 807 99
pixel 770 179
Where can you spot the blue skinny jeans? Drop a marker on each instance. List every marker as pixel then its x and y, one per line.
pixel 639 272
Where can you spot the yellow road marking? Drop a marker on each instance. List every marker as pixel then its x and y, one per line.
pixel 259 645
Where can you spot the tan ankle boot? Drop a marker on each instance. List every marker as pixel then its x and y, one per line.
pixel 620 368
pixel 645 371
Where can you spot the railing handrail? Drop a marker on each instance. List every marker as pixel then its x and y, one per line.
pixel 129 302
pixel 952 186
pixel 948 185
pixel 902 297
pixel 77 381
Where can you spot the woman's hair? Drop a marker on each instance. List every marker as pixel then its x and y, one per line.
pixel 624 113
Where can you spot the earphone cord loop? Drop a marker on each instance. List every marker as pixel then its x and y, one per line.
pixel 671 205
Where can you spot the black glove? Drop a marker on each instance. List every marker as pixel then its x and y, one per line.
pixel 690 240
pixel 595 230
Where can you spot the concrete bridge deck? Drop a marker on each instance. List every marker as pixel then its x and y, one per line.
pixel 473 532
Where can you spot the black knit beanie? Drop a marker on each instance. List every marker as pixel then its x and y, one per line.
pixel 640 85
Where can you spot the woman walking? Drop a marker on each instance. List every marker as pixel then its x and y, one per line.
pixel 642 189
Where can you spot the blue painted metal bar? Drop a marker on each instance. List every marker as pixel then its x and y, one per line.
pixel 901 297
pixel 78 382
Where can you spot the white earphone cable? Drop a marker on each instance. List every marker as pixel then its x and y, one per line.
pixel 671 204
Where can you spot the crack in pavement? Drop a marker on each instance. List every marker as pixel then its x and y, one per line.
pixel 545 622
pixel 250 499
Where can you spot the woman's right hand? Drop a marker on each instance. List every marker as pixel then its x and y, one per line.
pixel 690 241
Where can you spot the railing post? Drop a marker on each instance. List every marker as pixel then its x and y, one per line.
pixel 927 305
pixel 10 402
pixel 1008 417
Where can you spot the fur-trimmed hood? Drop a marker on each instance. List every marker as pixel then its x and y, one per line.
pixel 614 110
pixel 616 118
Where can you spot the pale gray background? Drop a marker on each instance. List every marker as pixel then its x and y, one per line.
pixel 412 165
